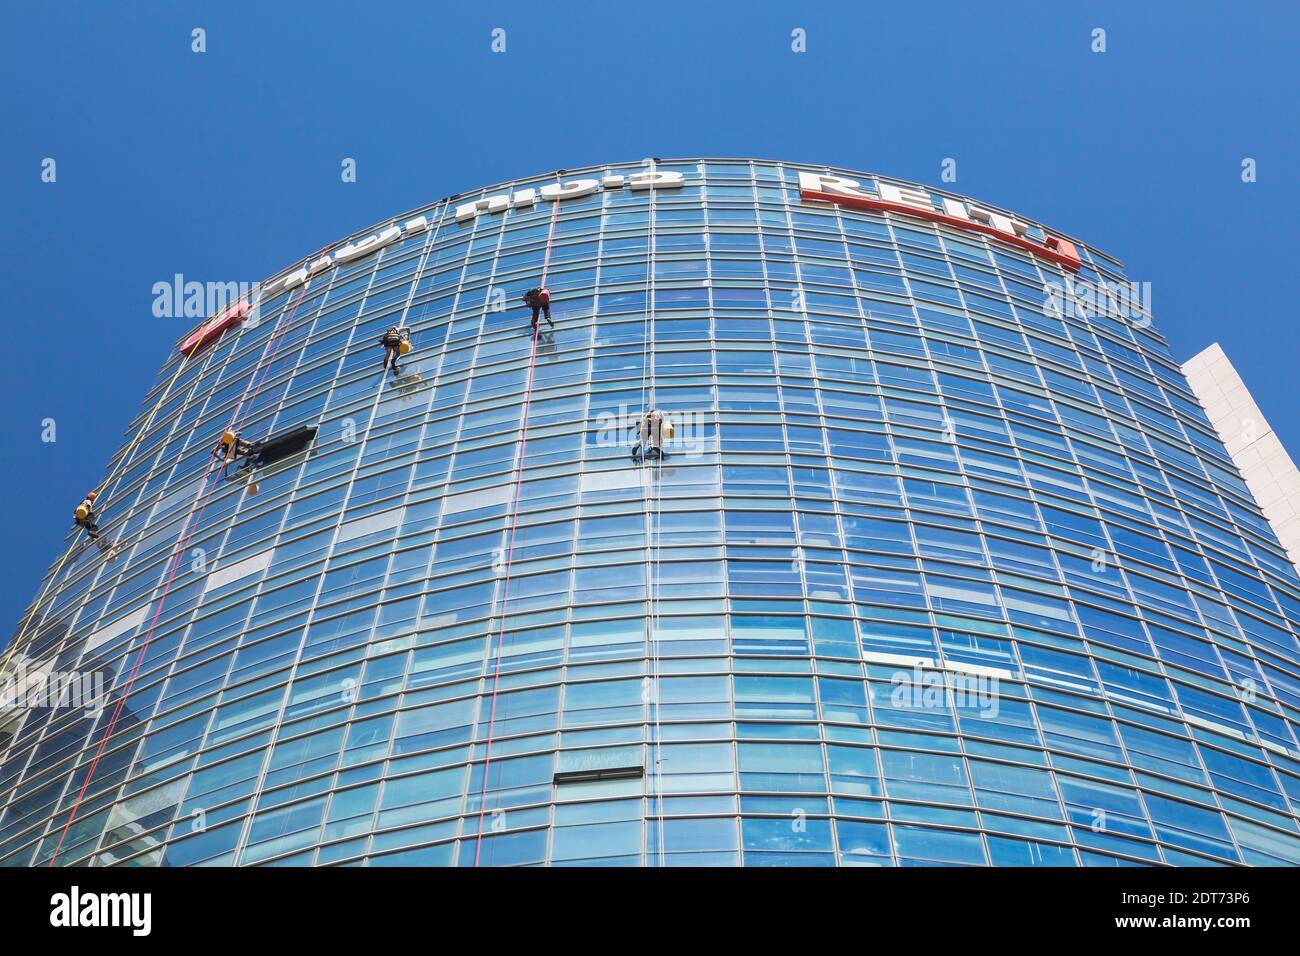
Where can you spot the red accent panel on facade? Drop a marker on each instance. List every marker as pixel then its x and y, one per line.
pixel 1058 250
pixel 214 328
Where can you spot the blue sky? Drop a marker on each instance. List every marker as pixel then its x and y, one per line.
pixel 225 165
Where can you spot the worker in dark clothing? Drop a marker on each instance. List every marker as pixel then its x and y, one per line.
pixel 539 300
pixel 231 447
pixel 85 515
pixel 651 431
pixel 396 341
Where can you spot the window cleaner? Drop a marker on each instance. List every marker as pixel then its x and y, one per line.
pixel 651 432
pixel 539 300
pixel 84 514
pixel 396 341
pixel 230 447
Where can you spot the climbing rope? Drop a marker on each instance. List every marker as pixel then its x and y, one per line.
pixel 655 585
pixel 114 471
pixel 510 553
pixel 192 521
pixel 294 669
pixel 174 564
pixel 77 541
pixel 254 387
pixel 654 521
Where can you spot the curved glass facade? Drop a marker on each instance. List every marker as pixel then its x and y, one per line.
pixel 934 572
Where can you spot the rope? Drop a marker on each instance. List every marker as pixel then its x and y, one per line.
pixel 76 542
pixel 192 521
pixel 294 670
pixel 654 525
pixel 646 322
pixel 260 374
pixel 253 389
pixel 108 480
pixel 510 554
pixel 657 520
pixel 198 504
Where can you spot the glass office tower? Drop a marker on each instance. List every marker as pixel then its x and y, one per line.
pixel 935 571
